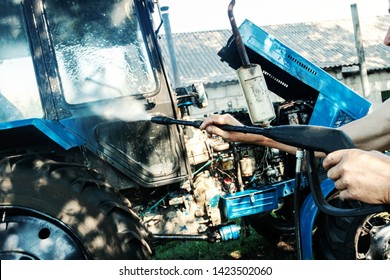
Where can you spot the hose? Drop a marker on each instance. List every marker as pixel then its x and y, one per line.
pixel 297 223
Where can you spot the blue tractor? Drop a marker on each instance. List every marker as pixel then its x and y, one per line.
pixel 85 174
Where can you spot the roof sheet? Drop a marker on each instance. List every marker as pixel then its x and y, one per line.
pixel 327 44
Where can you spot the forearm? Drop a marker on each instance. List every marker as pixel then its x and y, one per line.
pixel 277 145
pixel 373 131
pixel 365 138
pixel 211 124
pixel 255 139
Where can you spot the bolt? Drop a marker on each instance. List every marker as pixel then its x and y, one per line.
pixel 198 213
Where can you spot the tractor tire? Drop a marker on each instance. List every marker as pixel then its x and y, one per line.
pixel 273 229
pixel 276 226
pixel 352 238
pixel 58 210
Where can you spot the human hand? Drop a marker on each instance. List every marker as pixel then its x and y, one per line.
pixel 210 124
pixel 360 175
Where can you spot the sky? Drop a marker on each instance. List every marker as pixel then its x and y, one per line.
pixel 200 15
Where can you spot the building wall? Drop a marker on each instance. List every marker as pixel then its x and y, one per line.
pixel 378 82
pixel 225 97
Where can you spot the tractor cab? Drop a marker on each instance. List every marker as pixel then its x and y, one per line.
pixel 89 73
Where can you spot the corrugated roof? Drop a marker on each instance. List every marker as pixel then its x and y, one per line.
pixel 331 44
pixel 327 44
pixel 197 59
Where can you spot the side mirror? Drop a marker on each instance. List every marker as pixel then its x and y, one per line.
pixel 197 97
pixel 200 92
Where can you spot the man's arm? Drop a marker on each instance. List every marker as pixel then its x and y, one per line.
pixel 371 132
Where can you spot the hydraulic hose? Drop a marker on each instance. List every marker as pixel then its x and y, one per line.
pixel 297 202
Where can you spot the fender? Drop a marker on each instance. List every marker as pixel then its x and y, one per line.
pixel 49 128
pixel 309 212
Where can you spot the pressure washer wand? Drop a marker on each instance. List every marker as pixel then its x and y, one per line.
pixel 169 121
pixel 308 137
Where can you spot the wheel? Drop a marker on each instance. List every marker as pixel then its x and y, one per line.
pixel 272 227
pixel 276 225
pixel 54 210
pixel 348 238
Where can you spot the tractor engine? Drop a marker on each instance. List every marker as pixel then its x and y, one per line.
pixel 200 208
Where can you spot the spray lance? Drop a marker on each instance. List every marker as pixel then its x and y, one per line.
pixel 307 137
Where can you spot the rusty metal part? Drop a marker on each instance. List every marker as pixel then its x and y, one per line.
pixel 237 36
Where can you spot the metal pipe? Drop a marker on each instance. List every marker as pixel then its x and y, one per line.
pixel 171 47
pixel 237 36
pixel 252 80
pixel 360 52
pixel 181 237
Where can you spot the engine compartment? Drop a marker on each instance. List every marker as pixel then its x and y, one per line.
pixel 228 180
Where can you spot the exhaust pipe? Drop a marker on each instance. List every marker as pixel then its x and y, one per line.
pixel 260 106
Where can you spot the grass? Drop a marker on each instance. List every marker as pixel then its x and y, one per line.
pixel 253 247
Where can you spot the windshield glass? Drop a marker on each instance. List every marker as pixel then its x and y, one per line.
pixel 100 49
pixel 19 95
